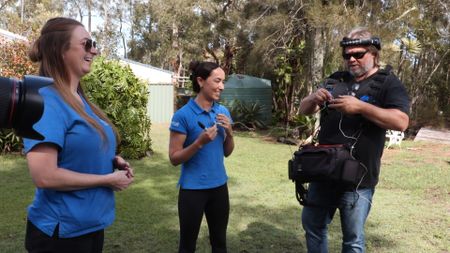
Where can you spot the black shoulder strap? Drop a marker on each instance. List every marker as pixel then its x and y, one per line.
pixel 379 85
pixel 300 193
pixel 341 76
pixel 335 78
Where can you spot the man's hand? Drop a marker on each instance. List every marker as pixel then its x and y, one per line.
pixel 346 104
pixel 321 96
pixel 311 103
pixel 390 118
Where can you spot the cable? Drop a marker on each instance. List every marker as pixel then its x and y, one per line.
pixel 342 132
pixel 351 154
pixel 360 181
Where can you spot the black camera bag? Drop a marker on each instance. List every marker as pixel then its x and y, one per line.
pixel 314 163
pixel 324 162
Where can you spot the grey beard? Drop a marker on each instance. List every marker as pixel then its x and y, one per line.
pixel 363 70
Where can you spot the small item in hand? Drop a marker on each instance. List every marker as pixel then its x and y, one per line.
pixel 200 124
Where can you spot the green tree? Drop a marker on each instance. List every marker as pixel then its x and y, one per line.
pixel 27 17
pixel 258 37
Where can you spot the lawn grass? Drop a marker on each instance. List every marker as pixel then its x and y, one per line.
pixel 411 210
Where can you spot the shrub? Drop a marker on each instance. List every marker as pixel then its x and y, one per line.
pixel 14 60
pixel 303 126
pixel 246 115
pixel 123 97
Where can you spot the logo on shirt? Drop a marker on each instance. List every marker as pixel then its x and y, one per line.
pixel 175 123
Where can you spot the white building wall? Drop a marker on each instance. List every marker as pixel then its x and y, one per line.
pixel 9 36
pixel 160 106
pixel 150 74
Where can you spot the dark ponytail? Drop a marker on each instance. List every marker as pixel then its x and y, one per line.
pixel 202 70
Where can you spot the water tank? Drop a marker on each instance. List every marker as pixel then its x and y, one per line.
pixel 250 90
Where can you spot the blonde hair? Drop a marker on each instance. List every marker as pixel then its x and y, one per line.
pixel 48 50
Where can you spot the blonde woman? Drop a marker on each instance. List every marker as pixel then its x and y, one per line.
pixel 73 167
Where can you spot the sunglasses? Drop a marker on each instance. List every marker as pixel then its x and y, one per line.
pixel 89 44
pixel 357 55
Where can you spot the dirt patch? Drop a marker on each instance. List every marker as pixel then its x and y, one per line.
pixel 424 147
pixel 438 196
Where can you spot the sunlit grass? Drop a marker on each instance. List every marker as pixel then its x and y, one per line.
pixel 410 212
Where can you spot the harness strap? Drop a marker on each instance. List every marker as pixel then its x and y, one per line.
pixel 300 193
pixel 378 85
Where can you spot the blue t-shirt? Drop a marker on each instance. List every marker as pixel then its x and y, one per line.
pixel 80 149
pixel 205 169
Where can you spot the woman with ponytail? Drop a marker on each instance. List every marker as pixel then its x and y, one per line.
pixel 200 136
pixel 73 167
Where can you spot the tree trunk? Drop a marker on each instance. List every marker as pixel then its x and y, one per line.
pixel 228 55
pixel 131 20
pixel 22 10
pixel 89 7
pixel 176 62
pixel 123 39
pixel 315 40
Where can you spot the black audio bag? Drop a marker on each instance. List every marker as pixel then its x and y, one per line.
pixel 315 163
pixel 324 163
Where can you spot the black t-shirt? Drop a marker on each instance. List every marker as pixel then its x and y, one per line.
pixel 368 139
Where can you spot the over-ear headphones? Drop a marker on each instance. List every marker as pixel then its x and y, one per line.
pixel 374 41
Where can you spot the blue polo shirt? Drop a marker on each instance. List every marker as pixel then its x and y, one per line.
pixel 80 149
pixel 205 169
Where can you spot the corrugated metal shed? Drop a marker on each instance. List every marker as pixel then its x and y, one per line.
pixel 160 106
pixel 161 103
pixel 148 73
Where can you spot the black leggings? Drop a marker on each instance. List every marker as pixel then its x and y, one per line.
pixel 37 241
pixel 191 206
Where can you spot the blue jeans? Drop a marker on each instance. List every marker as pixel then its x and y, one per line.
pixel 354 207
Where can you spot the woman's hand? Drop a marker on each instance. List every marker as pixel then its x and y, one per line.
pixel 224 121
pixel 121 164
pixel 44 170
pixel 119 180
pixel 207 136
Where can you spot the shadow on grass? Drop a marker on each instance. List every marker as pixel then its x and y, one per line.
pixel 147 219
pixel 382 243
pixel 266 238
